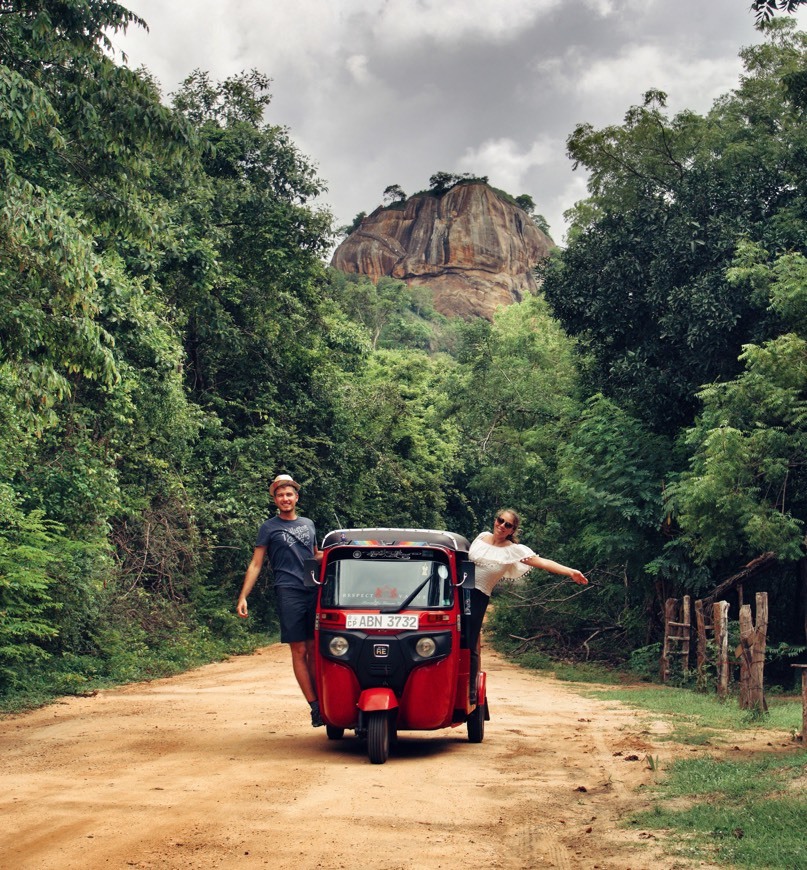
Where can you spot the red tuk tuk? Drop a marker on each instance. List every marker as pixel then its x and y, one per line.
pixel 391 638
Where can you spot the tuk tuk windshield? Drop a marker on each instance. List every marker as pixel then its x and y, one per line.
pixel 386 578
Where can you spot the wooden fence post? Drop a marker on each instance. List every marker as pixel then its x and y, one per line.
pixel 669 613
pixel 700 655
pixel 676 635
pixel 753 639
pixel 757 683
pixel 803 669
pixel 685 626
pixel 744 653
pixel 720 621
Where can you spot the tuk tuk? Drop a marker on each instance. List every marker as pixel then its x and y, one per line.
pixel 391 635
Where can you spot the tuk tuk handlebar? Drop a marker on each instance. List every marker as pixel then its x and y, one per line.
pixel 466 575
pixel 311 569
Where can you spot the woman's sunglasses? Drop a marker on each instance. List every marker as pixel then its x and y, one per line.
pixel 504 523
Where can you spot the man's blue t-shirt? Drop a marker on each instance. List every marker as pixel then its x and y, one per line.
pixel 289 543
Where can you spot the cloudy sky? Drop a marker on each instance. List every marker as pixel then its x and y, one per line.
pixel 380 92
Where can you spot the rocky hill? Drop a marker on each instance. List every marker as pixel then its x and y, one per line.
pixel 471 246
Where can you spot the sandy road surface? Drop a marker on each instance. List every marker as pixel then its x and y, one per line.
pixel 221 768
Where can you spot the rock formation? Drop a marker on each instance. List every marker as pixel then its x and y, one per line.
pixel 474 249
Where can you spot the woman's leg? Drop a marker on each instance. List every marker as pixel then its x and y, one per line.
pixel 479 604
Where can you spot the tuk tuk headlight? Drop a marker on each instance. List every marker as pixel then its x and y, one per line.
pixel 426 647
pixel 338 646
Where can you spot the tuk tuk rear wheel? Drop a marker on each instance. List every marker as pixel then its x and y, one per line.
pixel 334 733
pixel 476 724
pixel 378 737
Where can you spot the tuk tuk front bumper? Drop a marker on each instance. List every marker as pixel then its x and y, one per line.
pixel 386 672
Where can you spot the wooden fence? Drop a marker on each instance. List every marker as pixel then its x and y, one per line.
pixel 750 653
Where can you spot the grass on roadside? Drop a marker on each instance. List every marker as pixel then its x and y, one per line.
pixel 696 716
pixel 735 812
pixel 743 813
pixel 748 813
pixel 125 661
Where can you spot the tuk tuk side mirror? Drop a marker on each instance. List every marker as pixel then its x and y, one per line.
pixel 311 572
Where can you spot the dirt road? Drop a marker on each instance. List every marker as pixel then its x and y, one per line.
pixel 221 768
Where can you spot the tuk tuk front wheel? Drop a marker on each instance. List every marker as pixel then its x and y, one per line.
pixel 334 733
pixel 476 723
pixel 378 737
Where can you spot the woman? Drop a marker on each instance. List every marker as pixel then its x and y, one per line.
pixel 498 555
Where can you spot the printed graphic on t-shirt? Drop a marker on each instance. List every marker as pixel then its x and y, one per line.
pixel 300 534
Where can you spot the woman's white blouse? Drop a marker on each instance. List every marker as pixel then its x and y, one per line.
pixel 497 563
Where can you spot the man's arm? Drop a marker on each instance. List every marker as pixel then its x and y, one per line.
pixel 250 579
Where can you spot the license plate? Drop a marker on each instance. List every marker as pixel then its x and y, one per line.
pixel 400 621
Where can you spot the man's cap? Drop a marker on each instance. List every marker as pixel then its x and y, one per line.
pixel 283 480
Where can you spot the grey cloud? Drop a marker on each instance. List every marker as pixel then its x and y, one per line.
pixel 372 105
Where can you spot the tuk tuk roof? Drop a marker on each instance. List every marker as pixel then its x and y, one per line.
pixel 392 537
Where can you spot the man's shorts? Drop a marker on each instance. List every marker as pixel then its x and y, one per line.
pixel 297 609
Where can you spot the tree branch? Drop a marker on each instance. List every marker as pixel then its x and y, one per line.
pixel 755 566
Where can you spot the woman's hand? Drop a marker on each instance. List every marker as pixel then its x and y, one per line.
pixel 578 577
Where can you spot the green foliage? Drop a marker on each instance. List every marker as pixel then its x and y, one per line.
pixel 610 475
pixel 403 440
pixel 643 281
pixel 684 284
pixel 442 182
pixel 514 393
pixel 766 9
pixel 394 314
pixel 644 661
pixel 27 552
pixel 347 229
pixel 526 202
pixel 744 492
pixel 610 470
pixel 394 193
pixel 172 339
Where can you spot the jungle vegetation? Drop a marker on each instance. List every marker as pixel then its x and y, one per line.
pixel 171 339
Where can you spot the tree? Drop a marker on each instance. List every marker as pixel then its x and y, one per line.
pixel 604 512
pixel 526 202
pixel 394 193
pixel 79 135
pixel 513 396
pixel 742 500
pixel 85 347
pixel 441 182
pixel 248 271
pixel 765 9
pixel 395 315
pixel 745 491
pixel 404 443
pixel 642 281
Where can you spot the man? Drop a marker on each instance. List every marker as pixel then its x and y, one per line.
pixel 289 540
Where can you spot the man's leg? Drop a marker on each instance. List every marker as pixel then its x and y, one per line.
pixel 297 611
pixel 311 662
pixel 302 662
